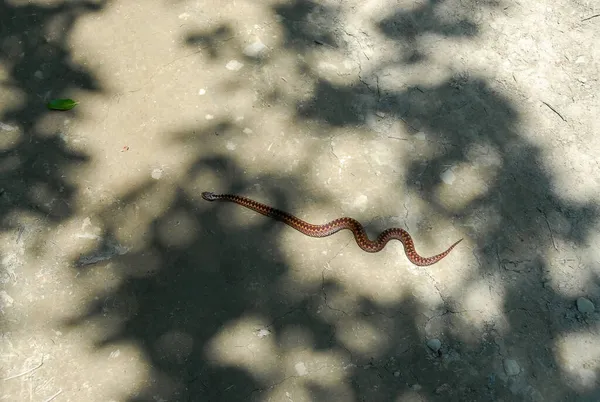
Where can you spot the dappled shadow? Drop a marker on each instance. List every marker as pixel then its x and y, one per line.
pixel 427 17
pixel 430 17
pixel 472 129
pixel 35 55
pixel 36 65
pixel 211 41
pixel 308 24
pixel 206 306
pixel 195 284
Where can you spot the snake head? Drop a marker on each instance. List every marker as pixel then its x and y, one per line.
pixel 208 196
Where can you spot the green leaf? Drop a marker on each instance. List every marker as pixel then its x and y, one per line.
pixel 61 104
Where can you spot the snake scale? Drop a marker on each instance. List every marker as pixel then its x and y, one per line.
pixel 360 235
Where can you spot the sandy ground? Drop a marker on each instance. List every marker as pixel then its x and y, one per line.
pixel 452 119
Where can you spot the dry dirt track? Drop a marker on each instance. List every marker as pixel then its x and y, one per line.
pixel 474 119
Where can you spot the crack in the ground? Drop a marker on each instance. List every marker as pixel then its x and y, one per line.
pixel 331 149
pixel 549 228
pixel 160 69
pixel 325 294
pixel 435 285
pixel 503 262
pixel 399 313
pixel 360 69
pixel 406 216
pixel 274 321
pixel 288 378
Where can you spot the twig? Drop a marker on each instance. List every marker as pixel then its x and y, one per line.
pixel 54 396
pixel 549 229
pixel 25 372
pixel 408 124
pixel 21 230
pixel 589 18
pixel 498 257
pixel 554 110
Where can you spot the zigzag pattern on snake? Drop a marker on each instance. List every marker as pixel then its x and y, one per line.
pixel 335 226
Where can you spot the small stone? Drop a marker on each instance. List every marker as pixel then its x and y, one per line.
pixel 5 300
pixel 448 176
pixel 248 131
pixel 585 305
pixel 434 344
pixel 261 333
pixel 157 174
pixel 234 65
pixel 301 368
pixel 327 66
pixel 396 374
pixel 202 91
pixel 6 127
pixel 511 367
pixel 209 117
pixel 255 49
pixel 361 202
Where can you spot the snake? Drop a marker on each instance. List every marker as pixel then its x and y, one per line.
pixel 327 229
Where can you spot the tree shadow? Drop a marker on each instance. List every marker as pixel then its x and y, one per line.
pixel 194 286
pixel 211 40
pixel 308 24
pixel 223 278
pixel 35 66
pixel 470 127
pixel 431 17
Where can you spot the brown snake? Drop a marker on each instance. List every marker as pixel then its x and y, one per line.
pixel 335 226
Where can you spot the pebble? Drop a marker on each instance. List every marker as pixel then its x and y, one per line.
pixel 234 65
pixel 434 344
pixel 443 388
pixel 301 368
pixel 263 333
pixel 585 305
pixel 255 49
pixel 511 367
pixel 6 127
pixel 157 174
pixel 448 176
pixel 5 300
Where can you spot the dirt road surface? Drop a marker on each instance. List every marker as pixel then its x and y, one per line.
pixel 451 119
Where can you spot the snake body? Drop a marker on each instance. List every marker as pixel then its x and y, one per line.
pixel 360 235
